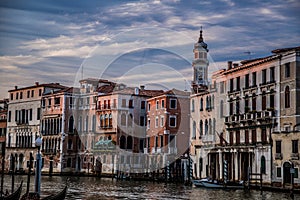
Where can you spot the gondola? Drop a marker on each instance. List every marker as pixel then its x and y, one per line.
pixel 15 195
pixel 60 196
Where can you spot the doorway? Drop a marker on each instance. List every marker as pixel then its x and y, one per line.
pixel 286 172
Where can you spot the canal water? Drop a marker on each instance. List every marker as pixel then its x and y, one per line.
pixel 91 188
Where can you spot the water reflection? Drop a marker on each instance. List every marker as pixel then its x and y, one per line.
pixel 91 188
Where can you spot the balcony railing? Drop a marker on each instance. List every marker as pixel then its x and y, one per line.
pixel 278 156
pixel 295 156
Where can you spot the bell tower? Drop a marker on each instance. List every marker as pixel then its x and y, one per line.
pixel 200 65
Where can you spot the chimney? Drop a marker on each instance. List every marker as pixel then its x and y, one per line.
pixel 235 65
pixel 229 64
pixel 16 87
pixel 36 83
pixel 142 87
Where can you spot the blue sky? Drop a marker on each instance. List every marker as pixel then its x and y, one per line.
pixel 48 41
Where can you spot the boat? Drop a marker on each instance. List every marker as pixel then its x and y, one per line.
pixel 208 183
pixel 15 195
pixel 59 196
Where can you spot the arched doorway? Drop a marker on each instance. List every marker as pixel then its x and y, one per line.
pixel 286 172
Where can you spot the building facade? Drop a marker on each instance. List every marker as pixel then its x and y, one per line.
pixel 23 123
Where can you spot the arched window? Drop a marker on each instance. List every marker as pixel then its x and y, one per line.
pixel 263 164
pixel 70 144
pixel 263 101
pixel 122 142
pixel 110 120
pixel 101 121
pixel 207 103
pixel 213 102
pixel 237 106
pixel 287 97
pixel 193 105
pixel 194 130
pixel 210 127
pixel 129 121
pixel 106 120
pixel 71 124
pixel 123 119
pixel 129 142
pixel 201 128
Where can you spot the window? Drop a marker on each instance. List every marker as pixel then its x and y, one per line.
pixel 278 146
pixel 296 172
pixel 253 78
pixel 272 101
pixel 201 104
pixel 70 144
pixel 238 86
pixel 38 117
pixel 253 102
pixel 130 103
pixel 148 124
pixel 156 122
pixel 193 105
pixel 9 116
pixel 157 104
pixel 173 103
pixel 28 94
pixel 57 100
pixel 222 87
pixel 295 146
pixel 263 164
pixel 272 74
pixel 231 107
pixel 253 136
pixel 130 120
pixel 149 106
pixel 21 95
pixel 172 121
pixel 237 137
pixel 142 121
pixel 123 119
pixel 231 138
pixel 30 114
pixel 49 102
pixel 287 70
pixel 162 103
pixel 264 101
pixel 246 137
pixel 287 97
pixel 162 121
pixel 123 103
pixel 247 81
pixel 246 109
pixel 194 130
pixel 11 96
pixel 32 93
pixel 17 96
pixel 264 76
pixel 278 172
pixel 231 85
pixel 237 106
pixel 40 92
pixel 143 104
pixel 201 128
pixel 161 141
pixel 264 135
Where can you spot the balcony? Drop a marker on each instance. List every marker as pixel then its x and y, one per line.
pixel 208 138
pixel 295 156
pixel 278 156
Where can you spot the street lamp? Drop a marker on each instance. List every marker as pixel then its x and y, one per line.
pixel 38 143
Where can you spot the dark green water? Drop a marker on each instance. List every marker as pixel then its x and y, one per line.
pixel 91 188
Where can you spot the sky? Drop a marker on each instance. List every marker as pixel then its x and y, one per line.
pixel 135 41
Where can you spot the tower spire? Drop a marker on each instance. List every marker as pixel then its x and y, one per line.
pixel 201 37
